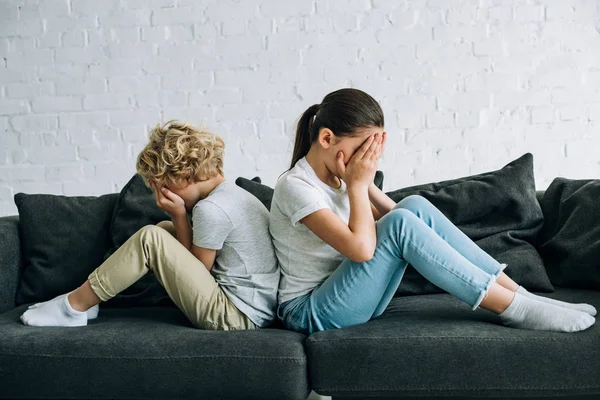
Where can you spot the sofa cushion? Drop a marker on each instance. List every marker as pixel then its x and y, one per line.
pixel 262 192
pixel 148 352
pixel 135 208
pixel 10 261
pixel 569 241
pixel 499 211
pixel 431 344
pixel 265 193
pixel 63 239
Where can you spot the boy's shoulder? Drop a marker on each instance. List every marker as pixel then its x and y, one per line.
pixel 230 198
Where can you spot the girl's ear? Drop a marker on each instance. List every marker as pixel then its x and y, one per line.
pixel 326 138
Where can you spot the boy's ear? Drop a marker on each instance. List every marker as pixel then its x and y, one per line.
pixel 326 138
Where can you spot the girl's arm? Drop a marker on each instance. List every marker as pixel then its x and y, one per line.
pixel 382 203
pixel 357 239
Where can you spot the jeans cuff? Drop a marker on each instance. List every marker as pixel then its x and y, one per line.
pixel 493 279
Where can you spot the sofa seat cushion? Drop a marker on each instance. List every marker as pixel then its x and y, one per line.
pixel 148 352
pixel 432 344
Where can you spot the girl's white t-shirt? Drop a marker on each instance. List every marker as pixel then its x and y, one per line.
pixel 305 260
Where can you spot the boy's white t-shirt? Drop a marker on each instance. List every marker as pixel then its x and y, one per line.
pixel 236 224
pixel 305 260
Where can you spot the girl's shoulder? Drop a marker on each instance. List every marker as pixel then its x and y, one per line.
pixel 292 179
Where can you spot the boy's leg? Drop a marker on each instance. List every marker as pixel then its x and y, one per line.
pixel 90 295
pixel 187 281
pixel 169 227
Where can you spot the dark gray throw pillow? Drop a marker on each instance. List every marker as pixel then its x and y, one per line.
pixel 265 193
pixel 135 208
pixel 499 211
pixel 569 241
pixel 262 192
pixel 63 239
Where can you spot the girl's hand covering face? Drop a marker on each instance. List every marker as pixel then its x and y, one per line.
pixel 168 201
pixel 362 166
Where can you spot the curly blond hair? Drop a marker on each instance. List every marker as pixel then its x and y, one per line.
pixel 180 151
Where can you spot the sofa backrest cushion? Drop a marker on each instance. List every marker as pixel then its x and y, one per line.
pixel 499 211
pixel 265 193
pixel 569 241
pixel 63 238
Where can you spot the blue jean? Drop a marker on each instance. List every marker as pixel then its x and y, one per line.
pixel 414 232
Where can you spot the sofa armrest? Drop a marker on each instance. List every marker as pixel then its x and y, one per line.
pixel 10 261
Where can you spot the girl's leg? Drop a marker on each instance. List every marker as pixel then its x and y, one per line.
pixel 351 294
pixel 187 281
pixel 355 291
pixel 435 219
pixel 449 232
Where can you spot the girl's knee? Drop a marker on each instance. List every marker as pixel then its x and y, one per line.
pixel 412 202
pixel 393 219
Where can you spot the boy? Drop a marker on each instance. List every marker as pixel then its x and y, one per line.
pixel 221 272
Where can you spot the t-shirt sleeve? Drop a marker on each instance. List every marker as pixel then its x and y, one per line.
pixel 297 198
pixel 211 225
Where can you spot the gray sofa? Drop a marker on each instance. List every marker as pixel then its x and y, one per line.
pixel 423 346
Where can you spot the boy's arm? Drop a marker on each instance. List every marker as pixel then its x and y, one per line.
pixel 184 230
pixel 184 235
pixel 380 201
pixel 206 256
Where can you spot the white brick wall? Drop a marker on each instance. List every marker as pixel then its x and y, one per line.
pixel 466 85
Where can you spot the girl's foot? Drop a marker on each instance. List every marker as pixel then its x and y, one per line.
pixel 588 308
pixel 528 313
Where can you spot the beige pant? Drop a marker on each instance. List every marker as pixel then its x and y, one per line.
pixel 187 281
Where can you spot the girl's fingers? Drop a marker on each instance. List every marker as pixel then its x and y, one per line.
pixel 362 150
pixel 381 145
pixel 372 148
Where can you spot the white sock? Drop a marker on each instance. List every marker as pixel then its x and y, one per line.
pixel 92 312
pixel 588 308
pixel 527 313
pixel 55 312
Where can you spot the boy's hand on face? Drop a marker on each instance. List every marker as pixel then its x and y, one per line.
pixel 168 201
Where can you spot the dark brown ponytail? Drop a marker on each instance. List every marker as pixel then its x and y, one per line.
pixel 344 111
pixel 304 133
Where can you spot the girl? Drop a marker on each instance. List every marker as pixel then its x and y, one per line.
pixel 222 273
pixel 339 267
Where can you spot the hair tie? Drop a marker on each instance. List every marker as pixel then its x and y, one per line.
pixel 317 108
